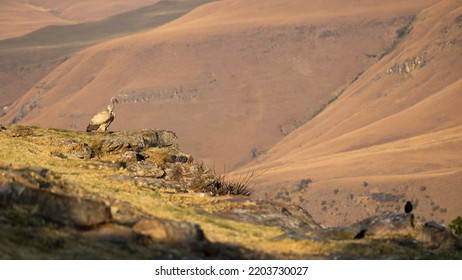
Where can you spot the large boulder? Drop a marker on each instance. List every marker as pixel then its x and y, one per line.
pixel 289 218
pixel 123 141
pixel 439 235
pixel 34 192
pixel 389 225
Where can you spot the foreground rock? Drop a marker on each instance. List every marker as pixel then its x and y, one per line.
pixel 390 225
pixel 108 195
pixel 439 235
pixel 289 218
pixel 26 189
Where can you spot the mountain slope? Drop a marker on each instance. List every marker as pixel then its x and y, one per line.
pixel 232 77
pixel 18 17
pixel 25 60
pixel 396 130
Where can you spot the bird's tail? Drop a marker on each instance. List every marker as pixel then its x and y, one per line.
pixel 92 127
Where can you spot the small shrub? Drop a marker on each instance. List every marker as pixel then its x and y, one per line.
pixel 236 187
pixel 365 184
pixel 456 226
pixel 423 188
pixel 304 184
pixel 323 202
pixel 336 191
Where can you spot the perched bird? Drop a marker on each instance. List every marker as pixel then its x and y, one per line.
pixel 360 234
pixel 408 207
pixel 102 120
pixel 286 212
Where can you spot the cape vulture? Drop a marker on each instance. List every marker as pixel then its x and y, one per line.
pixel 102 120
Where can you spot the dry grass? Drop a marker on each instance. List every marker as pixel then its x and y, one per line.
pixel 97 179
pixel 93 179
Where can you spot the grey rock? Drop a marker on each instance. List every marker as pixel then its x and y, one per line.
pixel 335 233
pixel 390 225
pixel 120 142
pixel 145 169
pixel 438 234
pixel 60 208
pixel 131 156
pixel 182 158
pixel 408 66
pixel 290 218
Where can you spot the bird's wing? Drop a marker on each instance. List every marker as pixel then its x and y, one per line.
pixel 101 118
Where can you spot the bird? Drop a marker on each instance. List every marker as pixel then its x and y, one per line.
pixel 408 207
pixel 102 120
pixel 360 234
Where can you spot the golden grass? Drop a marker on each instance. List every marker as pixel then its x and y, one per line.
pixel 101 179
pixel 95 179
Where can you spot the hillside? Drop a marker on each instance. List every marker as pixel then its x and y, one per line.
pixel 135 195
pixel 19 17
pixel 27 59
pixel 393 135
pixel 231 77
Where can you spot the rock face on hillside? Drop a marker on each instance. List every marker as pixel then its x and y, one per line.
pixel 408 66
pixel 55 210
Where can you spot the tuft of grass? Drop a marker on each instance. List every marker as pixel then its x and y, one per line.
pixel 160 156
pixel 234 187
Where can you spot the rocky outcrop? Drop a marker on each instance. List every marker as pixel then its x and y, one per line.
pixel 390 225
pixel 289 218
pixel 408 66
pixel 147 166
pixel 439 235
pixel 60 208
pixel 35 192
pixel 121 142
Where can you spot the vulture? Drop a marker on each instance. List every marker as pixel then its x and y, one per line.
pixel 102 120
pixel 408 207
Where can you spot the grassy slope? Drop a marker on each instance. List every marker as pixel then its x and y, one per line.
pixel 94 178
